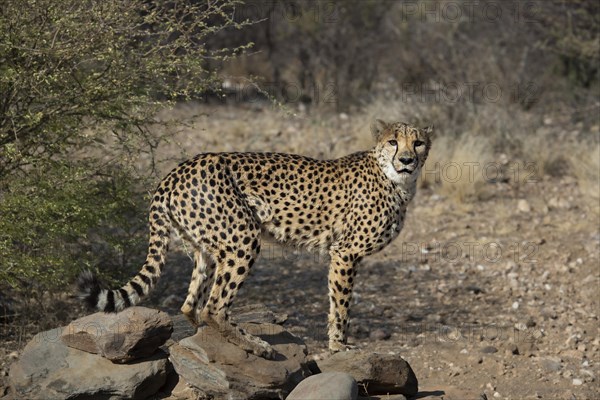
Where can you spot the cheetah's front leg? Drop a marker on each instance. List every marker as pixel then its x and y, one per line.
pixel 341 280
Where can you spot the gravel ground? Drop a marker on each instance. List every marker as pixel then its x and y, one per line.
pixel 495 297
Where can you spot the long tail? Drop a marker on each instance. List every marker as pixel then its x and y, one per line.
pixel 139 286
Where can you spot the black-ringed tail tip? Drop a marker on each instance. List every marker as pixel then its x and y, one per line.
pixel 98 297
pixel 89 288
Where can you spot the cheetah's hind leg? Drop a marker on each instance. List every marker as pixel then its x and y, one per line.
pixel 202 279
pixel 230 275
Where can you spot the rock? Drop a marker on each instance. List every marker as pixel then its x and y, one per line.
pixel 380 373
pixel 489 350
pixel 48 369
pixel 133 333
pixel 557 203
pixel 182 328
pixel 548 313
pixel 512 349
pixel 218 368
pixel 171 301
pixel 177 388
pixel 552 364
pixel 257 313
pixel 379 334
pixel 530 349
pixel 523 206
pixel 359 331
pixel 328 385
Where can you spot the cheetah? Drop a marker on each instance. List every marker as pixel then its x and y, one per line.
pixel 222 203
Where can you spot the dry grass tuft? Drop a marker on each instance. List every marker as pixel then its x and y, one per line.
pixel 584 163
pixel 456 167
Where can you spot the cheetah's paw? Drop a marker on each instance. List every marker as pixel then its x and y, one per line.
pixel 335 347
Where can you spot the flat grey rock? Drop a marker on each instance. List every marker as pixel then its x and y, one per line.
pixel 48 369
pixel 133 333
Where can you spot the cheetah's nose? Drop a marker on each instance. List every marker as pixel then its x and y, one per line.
pixel 406 160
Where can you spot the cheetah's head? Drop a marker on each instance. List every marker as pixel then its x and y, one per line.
pixel 401 149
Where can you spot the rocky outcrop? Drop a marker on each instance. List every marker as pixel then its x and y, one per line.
pixel 110 356
pixel 133 333
pixel 219 369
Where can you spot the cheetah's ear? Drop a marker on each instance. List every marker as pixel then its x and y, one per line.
pixel 377 128
pixel 428 131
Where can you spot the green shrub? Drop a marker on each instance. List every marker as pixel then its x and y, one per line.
pixel 60 219
pixel 70 67
pixel 74 74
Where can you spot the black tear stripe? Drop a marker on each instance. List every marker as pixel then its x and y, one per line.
pixel 110 301
pixel 136 286
pixel 125 297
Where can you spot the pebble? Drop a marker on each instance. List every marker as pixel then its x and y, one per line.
pixel 489 350
pixel 171 301
pixel 523 206
pixel 551 363
pixel 512 349
pixel 558 203
pixel 577 382
pixel 588 279
pixel 588 373
pixel 359 331
pixel 549 313
pixel 379 334
pixel 521 327
pixel 573 339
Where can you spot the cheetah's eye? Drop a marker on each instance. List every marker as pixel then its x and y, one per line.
pixel 393 142
pixel 419 143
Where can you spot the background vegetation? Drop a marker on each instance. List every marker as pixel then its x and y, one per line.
pixel 81 83
pixel 87 90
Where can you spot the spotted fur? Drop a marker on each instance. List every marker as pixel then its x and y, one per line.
pixel 220 203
